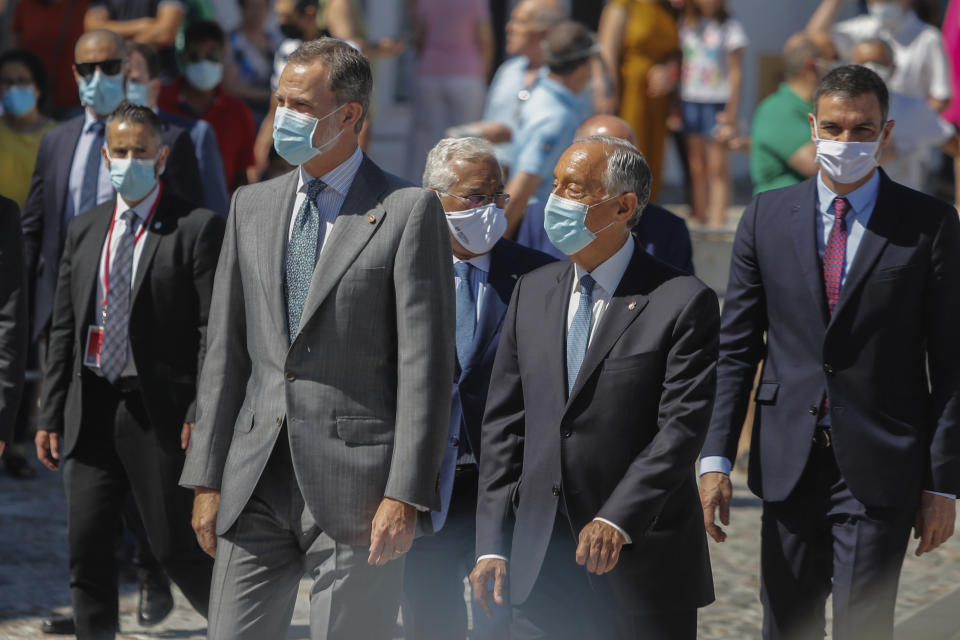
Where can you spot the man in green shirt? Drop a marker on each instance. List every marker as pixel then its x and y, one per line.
pixel 782 153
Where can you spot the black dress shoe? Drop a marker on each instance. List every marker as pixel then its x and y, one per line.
pixel 156 603
pixel 60 624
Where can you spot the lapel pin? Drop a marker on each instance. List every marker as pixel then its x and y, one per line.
pixel 632 305
pixel 156 225
pixel 513 275
pixel 371 218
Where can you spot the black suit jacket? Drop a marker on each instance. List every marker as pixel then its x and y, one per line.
pixel 895 428
pixel 623 447
pixel 13 317
pixel 168 316
pixel 44 211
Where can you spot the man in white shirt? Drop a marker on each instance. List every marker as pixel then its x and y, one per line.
pixel 921 63
pixel 600 396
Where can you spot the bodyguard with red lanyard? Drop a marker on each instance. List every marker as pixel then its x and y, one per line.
pixel 126 344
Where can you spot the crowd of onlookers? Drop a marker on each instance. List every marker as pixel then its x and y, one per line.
pixel 672 69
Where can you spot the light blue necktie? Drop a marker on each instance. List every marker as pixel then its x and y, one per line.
pixel 579 334
pixel 466 311
pixel 91 171
pixel 113 353
pixel 302 256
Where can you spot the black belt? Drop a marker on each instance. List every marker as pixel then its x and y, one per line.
pixel 822 437
pixel 128 384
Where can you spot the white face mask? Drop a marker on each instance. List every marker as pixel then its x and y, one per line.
pixel 846 162
pixel 478 229
pixel 889 14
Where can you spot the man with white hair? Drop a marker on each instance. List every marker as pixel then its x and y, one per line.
pixel 465 175
pixel 600 396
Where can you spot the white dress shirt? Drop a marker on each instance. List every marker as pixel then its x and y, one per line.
pixel 338 181
pixel 75 181
pixel 141 212
pixel 607 276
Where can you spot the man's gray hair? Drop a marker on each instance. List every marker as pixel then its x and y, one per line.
pixel 350 77
pixel 546 16
pixel 627 172
pixel 438 174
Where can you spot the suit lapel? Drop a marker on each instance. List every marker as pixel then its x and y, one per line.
pixel 86 262
pixel 500 285
pixel 272 247
pixel 803 219
pixel 157 227
pixel 624 307
pixel 554 347
pixel 874 241
pixel 63 162
pixel 360 216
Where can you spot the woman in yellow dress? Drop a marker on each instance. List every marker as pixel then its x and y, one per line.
pixel 640 44
pixel 22 82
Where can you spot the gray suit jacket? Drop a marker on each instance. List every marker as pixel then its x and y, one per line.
pixel 365 387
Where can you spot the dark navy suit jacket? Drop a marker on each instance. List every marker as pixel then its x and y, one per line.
pixel 621 447
pixel 44 211
pixel 508 261
pixel 662 234
pixel 889 357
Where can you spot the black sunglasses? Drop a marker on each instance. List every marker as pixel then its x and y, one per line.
pixel 213 56
pixel 110 67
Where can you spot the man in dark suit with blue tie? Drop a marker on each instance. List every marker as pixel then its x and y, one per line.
pixel 599 401
pixel 467 178
pixel 845 285
pixel 661 233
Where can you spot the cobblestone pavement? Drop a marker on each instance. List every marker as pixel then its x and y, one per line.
pixel 34 573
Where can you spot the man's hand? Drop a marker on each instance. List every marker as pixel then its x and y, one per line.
pixel 392 533
pixel 48 448
pixel 185 435
pixel 489 570
pixel 935 520
pixel 599 547
pixel 715 491
pixel 206 503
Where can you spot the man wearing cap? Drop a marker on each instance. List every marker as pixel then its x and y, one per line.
pixel 549 118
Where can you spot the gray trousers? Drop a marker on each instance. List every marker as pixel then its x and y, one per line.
pixel 263 556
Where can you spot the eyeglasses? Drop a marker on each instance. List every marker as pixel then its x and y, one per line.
pixel 479 199
pixel 110 67
pixel 213 56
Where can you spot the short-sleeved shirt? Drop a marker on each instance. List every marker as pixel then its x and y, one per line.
pixel 921 62
pixel 451 47
pixel 121 10
pixel 547 124
pixel 918 129
pixel 232 123
pixel 706 46
pixel 780 128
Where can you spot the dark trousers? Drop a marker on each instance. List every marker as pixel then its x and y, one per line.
pixel 564 606
pixel 433 595
pixel 822 540
pixel 117 453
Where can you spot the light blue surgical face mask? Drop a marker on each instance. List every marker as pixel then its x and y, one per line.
pixel 293 135
pixel 18 101
pixel 102 93
pixel 137 93
pixel 565 223
pixel 204 75
pixel 133 178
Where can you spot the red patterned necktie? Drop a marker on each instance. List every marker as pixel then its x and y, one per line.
pixel 835 255
pixel 834 260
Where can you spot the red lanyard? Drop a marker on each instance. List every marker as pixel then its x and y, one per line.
pixel 136 239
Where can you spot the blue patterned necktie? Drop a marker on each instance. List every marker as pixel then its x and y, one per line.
pixel 302 255
pixel 113 353
pixel 466 311
pixel 91 172
pixel 579 333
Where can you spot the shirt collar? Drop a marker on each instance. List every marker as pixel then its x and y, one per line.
pixel 89 119
pixel 610 272
pixel 339 178
pixel 142 209
pixel 557 89
pixel 480 262
pixel 859 198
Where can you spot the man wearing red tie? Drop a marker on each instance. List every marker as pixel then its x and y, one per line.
pixel 846 287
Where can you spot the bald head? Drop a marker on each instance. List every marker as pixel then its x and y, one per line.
pixel 802 51
pixel 607 126
pixel 529 22
pixel 99 40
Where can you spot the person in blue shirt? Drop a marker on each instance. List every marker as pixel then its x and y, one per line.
pixel 662 234
pixel 549 118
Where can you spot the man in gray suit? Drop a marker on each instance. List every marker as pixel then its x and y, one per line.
pixel 325 394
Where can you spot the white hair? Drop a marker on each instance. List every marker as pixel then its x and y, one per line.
pixel 627 172
pixel 438 175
